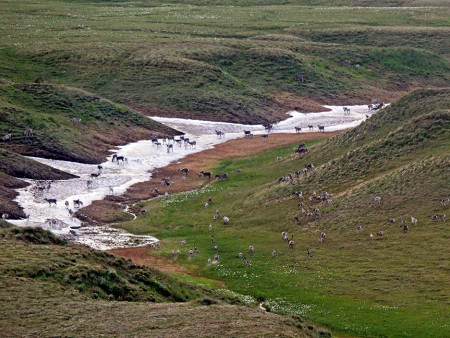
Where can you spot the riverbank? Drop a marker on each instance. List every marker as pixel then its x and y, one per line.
pixel 111 209
pixel 144 158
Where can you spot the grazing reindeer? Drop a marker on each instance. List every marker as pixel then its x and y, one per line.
pixel 28 132
pixel 166 181
pixel 206 174
pixel 377 199
pixel 184 171
pixel 77 203
pixel 265 137
pixel 438 217
pixel 321 128
pixel 413 221
pixel 220 133
pixel 322 237
pixel 274 253
pixel 291 244
pixel 7 137
pixel 380 233
pixel 222 176
pixel 76 120
pixel 226 220
pixel 51 201
pixel 251 248
pixel 298 129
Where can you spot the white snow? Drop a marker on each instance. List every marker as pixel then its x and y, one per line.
pixel 143 157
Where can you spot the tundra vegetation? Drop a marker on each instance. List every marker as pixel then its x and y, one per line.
pixel 248 62
pixel 75 76
pixel 339 273
pixel 53 288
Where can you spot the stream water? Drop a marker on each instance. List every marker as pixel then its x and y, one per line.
pixel 143 157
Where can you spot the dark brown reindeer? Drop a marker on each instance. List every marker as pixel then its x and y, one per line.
pixel 51 201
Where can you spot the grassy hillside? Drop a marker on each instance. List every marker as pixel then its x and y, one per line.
pixel 214 61
pixel 49 287
pixel 395 285
pixel 49 109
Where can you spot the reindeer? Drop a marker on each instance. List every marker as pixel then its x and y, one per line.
pixel 206 174
pixel 298 129
pixel 28 132
pixel 321 128
pixel 220 133
pixel 310 127
pixel 7 137
pixel 184 171
pixel 77 203
pixel 291 244
pixel 322 237
pixel 222 176
pixel 51 201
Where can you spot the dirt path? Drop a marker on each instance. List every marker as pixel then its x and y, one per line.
pixel 110 209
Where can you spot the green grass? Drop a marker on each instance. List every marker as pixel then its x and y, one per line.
pixel 235 63
pixel 48 110
pixel 50 287
pixel 396 285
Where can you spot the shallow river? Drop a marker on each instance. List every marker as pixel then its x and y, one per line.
pixel 143 157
